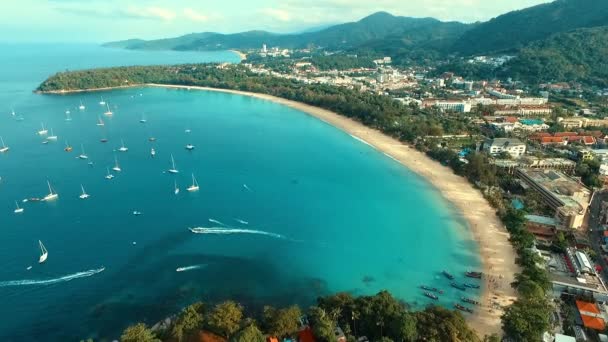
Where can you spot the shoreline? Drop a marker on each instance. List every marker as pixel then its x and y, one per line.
pixel 496 253
pixel 242 56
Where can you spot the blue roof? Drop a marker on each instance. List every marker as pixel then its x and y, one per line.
pixel 530 122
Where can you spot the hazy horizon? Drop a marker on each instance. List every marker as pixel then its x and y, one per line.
pixel 96 21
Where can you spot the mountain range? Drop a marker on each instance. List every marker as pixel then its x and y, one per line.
pixel 553 41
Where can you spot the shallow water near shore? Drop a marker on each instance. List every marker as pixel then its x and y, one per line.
pixel 295 207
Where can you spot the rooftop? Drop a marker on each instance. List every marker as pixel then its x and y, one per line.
pixel 549 221
pixel 571 193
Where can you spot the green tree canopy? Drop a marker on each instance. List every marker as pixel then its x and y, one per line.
pixel 138 333
pixel 225 318
pixel 282 322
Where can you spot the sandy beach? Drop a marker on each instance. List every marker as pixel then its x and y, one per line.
pixel 242 55
pixel 497 254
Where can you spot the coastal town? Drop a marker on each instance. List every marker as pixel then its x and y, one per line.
pixel 547 143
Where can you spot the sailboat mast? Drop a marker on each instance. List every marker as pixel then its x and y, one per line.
pixel 50 189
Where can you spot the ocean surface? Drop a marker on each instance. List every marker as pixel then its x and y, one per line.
pixel 295 207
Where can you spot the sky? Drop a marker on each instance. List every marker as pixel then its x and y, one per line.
pixel 107 20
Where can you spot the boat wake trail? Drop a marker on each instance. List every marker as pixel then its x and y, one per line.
pixel 241 221
pixel 225 231
pixel 216 221
pixel 68 277
pixel 190 268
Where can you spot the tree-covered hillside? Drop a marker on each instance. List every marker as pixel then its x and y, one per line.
pixel 516 29
pixel 580 55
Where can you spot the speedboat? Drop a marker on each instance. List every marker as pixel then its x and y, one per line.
pixel 189 147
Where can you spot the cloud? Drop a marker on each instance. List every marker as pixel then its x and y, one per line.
pixel 276 13
pixel 151 12
pixel 194 15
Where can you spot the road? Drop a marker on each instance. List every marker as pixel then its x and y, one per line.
pixel 596 232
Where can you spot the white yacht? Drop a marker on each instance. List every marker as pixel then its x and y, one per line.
pixel 18 210
pixel 52 195
pixel 83 195
pixel 194 186
pixel 81 107
pixel 108 174
pixel 83 155
pixel 189 147
pixel 173 169
pixel 122 147
pixel 116 166
pixel 4 148
pixel 43 131
pixel 108 112
pixel 152 152
pixel 52 136
pixel 44 254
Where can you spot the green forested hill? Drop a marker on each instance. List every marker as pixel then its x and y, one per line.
pixel 580 55
pixel 514 30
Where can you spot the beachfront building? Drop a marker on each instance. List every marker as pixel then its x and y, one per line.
pixel 514 147
pixel 574 273
pixel 460 106
pixel 529 162
pixel 565 195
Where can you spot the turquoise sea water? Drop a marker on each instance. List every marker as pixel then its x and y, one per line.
pixel 324 211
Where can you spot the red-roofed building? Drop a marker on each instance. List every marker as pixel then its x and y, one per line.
pixel 565 134
pixel 590 315
pixel 553 141
pixel 589 140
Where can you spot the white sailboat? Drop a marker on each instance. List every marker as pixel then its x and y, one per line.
pixel 4 148
pixel 67 111
pixel 84 195
pixel 100 122
pixel 52 195
pixel 68 117
pixel 116 166
pixel 83 155
pixel 44 254
pixel 19 210
pixel 108 112
pixel 123 148
pixel 13 114
pixel 108 174
pixel 152 152
pixel 143 119
pixel 102 102
pixel 43 131
pixel 81 107
pixel 173 169
pixel 52 136
pixel 194 186
pixel 176 191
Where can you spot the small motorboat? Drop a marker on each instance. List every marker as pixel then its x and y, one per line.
pixel 470 301
pixel 136 213
pixel 104 140
pixel 447 274
pixel 430 295
pixel 472 274
pixel 151 139
pixel 462 308
pixel 189 147
pixel 458 286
